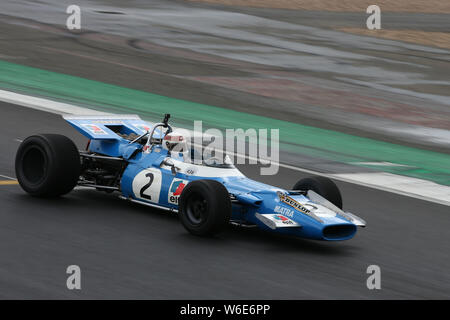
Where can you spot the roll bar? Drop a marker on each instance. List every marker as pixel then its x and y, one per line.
pixel 163 124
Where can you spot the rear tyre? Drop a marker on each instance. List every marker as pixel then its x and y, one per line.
pixel 47 165
pixel 323 186
pixel 204 207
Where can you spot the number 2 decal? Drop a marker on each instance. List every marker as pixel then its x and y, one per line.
pixel 143 195
pixel 147 184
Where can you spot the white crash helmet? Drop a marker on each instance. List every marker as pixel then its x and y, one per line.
pixel 175 141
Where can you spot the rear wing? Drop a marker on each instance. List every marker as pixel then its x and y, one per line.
pixel 107 127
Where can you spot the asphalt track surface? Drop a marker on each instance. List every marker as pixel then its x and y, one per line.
pixel 132 251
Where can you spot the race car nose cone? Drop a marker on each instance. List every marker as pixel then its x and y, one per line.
pixel 339 232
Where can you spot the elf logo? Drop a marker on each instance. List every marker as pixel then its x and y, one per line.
pixel 282 218
pixel 175 190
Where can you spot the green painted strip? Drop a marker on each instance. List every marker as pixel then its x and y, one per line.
pixel 321 143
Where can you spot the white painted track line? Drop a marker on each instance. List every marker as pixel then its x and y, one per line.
pixel 7 177
pixel 412 187
pixel 402 185
pixel 45 104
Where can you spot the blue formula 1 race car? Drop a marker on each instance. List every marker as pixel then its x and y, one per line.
pixel 128 155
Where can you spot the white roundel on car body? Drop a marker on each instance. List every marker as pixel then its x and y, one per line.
pixel 147 184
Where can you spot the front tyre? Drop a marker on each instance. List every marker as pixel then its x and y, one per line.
pixel 323 186
pixel 47 165
pixel 204 207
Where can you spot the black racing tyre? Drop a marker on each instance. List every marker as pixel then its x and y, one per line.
pixel 204 207
pixel 47 165
pixel 323 186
